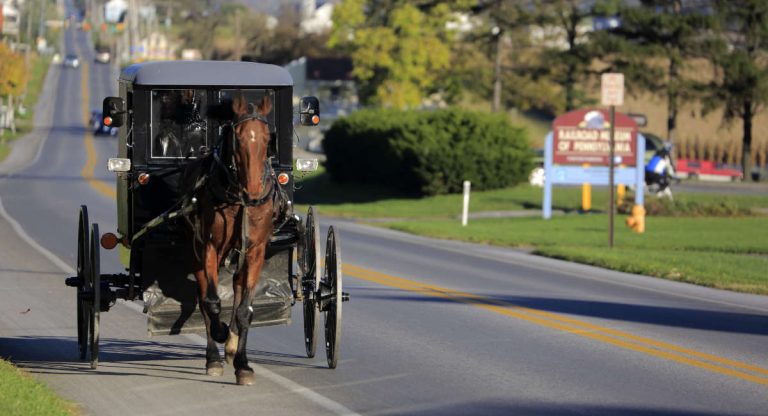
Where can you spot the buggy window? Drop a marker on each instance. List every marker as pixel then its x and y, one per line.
pixel 254 98
pixel 178 127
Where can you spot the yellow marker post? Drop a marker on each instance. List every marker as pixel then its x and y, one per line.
pixel 586 194
pixel 621 191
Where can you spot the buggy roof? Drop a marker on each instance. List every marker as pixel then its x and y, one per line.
pixel 206 73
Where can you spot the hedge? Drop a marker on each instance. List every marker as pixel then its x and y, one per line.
pixel 427 152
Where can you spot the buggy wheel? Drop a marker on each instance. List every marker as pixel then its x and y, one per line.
pixel 82 273
pixel 309 256
pixel 331 297
pixel 95 305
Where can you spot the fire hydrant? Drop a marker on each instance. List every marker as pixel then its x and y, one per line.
pixel 637 220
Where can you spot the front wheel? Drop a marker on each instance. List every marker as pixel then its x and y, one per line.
pixel 83 259
pixel 94 280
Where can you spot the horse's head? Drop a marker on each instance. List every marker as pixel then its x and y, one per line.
pixel 251 132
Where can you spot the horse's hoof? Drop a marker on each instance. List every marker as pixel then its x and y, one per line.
pixel 245 377
pixel 230 348
pixel 215 369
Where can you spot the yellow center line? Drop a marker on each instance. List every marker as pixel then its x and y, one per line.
pixel 563 323
pixel 91 158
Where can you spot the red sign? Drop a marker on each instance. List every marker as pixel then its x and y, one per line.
pixel 583 136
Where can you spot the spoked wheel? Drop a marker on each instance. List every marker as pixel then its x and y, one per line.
pixel 331 297
pixel 83 258
pixel 94 281
pixel 309 256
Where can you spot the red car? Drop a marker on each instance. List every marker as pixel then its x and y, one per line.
pixel 705 169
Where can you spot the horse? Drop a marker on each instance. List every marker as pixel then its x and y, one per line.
pixel 234 212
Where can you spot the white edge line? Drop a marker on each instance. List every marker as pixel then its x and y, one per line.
pixel 29 240
pixel 328 404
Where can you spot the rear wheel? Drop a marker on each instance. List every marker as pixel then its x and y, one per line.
pixel 309 256
pixel 332 297
pixel 95 305
pixel 83 259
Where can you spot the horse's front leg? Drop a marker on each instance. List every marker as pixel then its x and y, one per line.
pixel 244 313
pixel 210 308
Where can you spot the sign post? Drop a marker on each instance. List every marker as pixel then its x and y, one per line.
pixel 612 94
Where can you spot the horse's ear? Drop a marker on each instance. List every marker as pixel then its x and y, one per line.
pixel 266 106
pixel 239 105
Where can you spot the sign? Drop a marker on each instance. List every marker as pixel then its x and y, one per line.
pixel 583 136
pixel 612 89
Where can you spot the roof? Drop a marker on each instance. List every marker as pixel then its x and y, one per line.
pixel 208 73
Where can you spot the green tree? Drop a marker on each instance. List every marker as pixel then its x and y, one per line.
pixel 400 49
pixel 654 48
pixel 741 84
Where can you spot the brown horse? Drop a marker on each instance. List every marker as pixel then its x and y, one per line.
pixel 242 220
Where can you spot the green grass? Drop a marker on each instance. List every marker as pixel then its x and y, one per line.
pixel 726 253
pixel 22 395
pixel 25 123
pixel 363 201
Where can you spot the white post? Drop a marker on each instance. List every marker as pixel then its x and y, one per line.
pixel 465 211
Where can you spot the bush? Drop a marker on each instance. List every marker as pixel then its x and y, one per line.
pixel 427 152
pixel 662 207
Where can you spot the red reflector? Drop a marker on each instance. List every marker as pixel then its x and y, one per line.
pixel 315 119
pixel 109 241
pixel 107 121
pixel 283 178
pixel 143 178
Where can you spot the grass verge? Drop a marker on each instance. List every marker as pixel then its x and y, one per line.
pixel 20 395
pixel 725 253
pixel 25 122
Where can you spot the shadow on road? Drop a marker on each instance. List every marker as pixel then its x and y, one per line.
pixel 743 323
pixel 119 357
pixel 500 407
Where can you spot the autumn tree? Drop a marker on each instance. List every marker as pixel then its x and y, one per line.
pixel 13 78
pixel 400 49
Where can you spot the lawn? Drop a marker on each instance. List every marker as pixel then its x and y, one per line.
pixel 22 395
pixel 728 252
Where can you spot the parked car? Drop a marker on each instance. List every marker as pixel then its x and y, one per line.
pixel 71 61
pixel 102 57
pixel 99 129
pixel 708 170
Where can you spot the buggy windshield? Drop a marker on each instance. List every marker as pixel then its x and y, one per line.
pixel 179 123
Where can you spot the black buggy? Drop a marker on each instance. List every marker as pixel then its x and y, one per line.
pixel 163 127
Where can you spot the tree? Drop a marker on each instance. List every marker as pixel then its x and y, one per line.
pixel 741 84
pixel 400 49
pixel 13 78
pixel 654 46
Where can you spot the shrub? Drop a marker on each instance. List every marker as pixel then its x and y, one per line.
pixel 663 207
pixel 427 152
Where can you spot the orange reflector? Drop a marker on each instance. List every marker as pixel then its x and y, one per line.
pixel 283 178
pixel 143 178
pixel 107 121
pixel 109 241
pixel 315 119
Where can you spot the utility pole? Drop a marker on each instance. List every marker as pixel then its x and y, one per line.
pixel 238 51
pixel 497 36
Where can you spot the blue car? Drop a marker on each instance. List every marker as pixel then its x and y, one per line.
pixel 99 129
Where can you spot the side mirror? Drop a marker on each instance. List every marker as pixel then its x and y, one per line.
pixel 113 111
pixel 309 111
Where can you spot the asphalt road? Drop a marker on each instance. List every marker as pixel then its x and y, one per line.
pixel 433 328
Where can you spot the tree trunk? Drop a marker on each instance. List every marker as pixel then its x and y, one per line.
pixel 746 150
pixel 672 101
